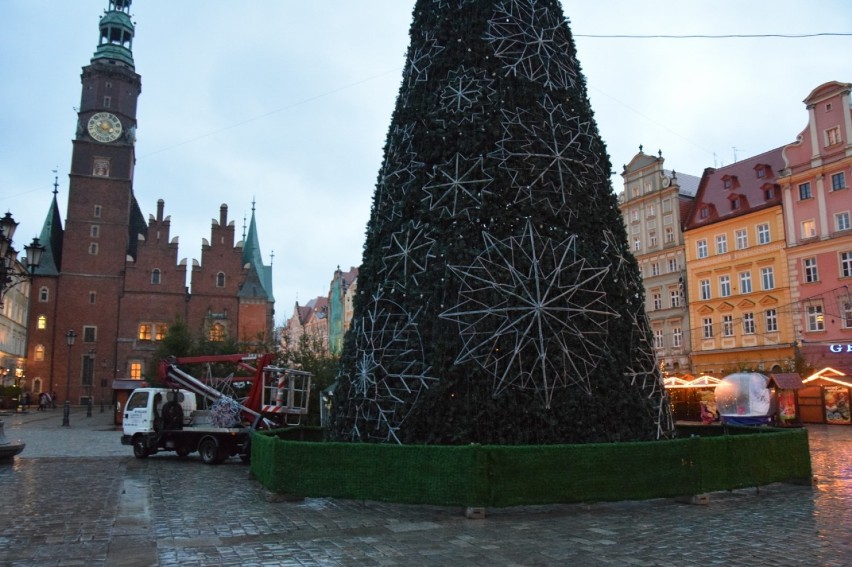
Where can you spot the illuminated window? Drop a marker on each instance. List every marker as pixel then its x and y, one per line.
pixel 809 228
pixel 832 136
pixel 160 331
pixel 216 333
pixel 816 319
pixel 42 322
pixel 38 353
pixel 145 332
pixel 135 370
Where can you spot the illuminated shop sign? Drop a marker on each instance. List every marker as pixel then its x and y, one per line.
pixel 841 348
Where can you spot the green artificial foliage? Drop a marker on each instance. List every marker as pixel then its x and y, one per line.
pixel 497 300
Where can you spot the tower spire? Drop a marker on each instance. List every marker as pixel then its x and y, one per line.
pixel 116 34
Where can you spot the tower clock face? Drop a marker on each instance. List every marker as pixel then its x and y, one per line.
pixel 104 127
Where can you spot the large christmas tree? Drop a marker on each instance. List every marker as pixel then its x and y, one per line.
pixel 497 301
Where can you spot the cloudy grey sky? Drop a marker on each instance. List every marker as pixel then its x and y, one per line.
pixel 288 102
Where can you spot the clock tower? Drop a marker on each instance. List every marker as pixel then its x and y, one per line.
pixel 82 289
pixel 110 283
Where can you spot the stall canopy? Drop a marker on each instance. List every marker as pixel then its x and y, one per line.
pixel 786 381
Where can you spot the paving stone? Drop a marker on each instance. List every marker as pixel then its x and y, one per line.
pixel 79 498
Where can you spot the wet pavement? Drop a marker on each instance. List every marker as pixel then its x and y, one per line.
pixel 76 496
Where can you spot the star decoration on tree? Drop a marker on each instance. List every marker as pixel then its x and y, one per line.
pixel 551 160
pixel 397 173
pixel 390 371
pixel 643 369
pixel 533 43
pixel 532 312
pixel 408 254
pixel 457 186
pixel 464 91
pixel 421 57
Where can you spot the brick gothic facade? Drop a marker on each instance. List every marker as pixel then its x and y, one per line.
pixel 114 279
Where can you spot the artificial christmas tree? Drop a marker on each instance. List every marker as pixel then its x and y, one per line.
pixel 497 300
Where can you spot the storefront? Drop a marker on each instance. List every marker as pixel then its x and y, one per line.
pixel 786 387
pixel 825 397
pixel 692 398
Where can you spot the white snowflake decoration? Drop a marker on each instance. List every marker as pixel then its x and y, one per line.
pixel 390 369
pixel 532 312
pixel 408 254
pixel 421 58
pixel 549 161
pixel 457 186
pixel 464 91
pixel 397 173
pixel 533 43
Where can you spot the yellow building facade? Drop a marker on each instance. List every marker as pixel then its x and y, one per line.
pixel 738 283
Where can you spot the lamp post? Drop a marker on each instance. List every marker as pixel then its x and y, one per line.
pixel 70 336
pixel 10 274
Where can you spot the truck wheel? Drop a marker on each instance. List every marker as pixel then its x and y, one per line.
pixel 209 451
pixel 140 451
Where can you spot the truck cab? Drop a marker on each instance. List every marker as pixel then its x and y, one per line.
pixel 143 412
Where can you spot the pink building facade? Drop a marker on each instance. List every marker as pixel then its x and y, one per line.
pixel 817 204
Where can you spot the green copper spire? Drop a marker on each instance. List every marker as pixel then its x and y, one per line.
pixel 116 39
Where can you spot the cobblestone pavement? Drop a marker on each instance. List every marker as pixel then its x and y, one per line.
pixel 75 496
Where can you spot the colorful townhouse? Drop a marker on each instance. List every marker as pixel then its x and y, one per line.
pixel 654 204
pixel 817 170
pixel 738 287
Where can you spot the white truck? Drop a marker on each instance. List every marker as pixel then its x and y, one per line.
pixel 167 419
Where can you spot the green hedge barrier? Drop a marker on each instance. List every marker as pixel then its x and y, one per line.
pixel 498 476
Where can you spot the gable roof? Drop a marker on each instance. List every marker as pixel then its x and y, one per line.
pixel 737 189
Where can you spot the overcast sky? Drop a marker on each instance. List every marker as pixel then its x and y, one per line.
pixel 288 102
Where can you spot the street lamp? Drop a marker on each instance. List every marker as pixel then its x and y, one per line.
pixel 70 336
pixel 10 274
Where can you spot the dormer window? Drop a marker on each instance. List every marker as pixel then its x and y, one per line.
pixel 762 171
pixel 735 203
pixel 703 213
pixel 730 182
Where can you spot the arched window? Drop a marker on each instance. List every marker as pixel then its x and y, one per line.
pixel 42 322
pixel 220 279
pixel 43 294
pixel 216 333
pixel 39 352
pixel 155 276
